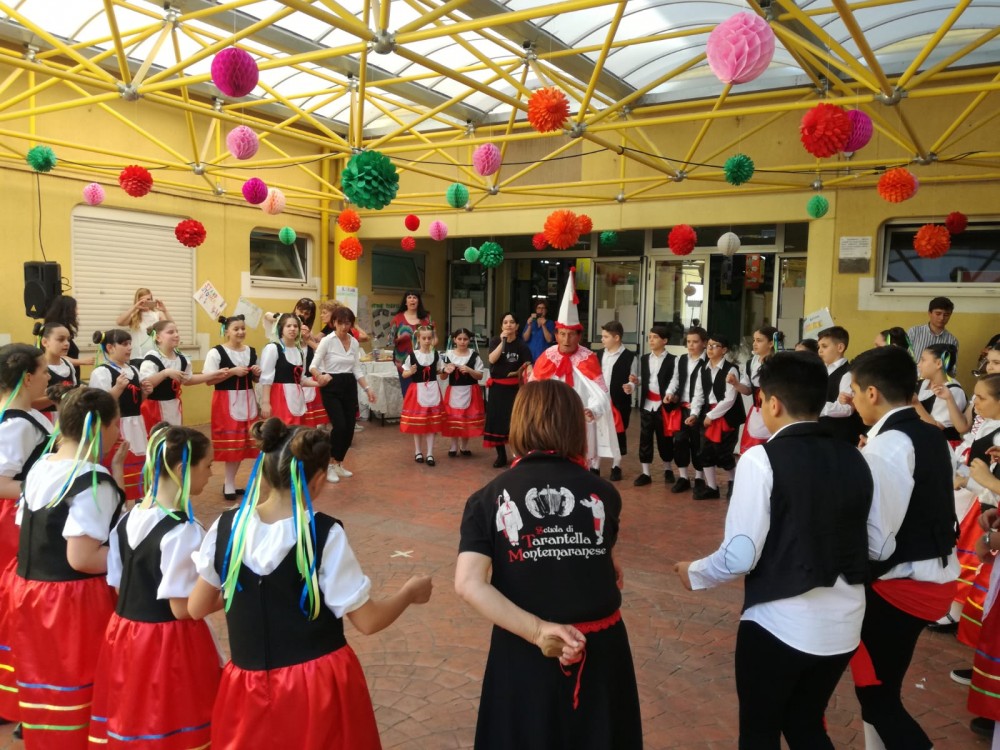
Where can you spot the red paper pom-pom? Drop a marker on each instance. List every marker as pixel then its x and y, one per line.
pixel 190 233
pixel 897 185
pixel 825 130
pixel 136 181
pixel 682 239
pixel 548 110
pixel 412 222
pixel 539 242
pixel 932 241
pixel 350 248
pixel 408 243
pixel 585 224
pixel 956 222
pixel 349 220
pixel 561 229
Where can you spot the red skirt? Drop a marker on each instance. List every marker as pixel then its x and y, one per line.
pixel 10 532
pixel 59 630
pixel 315 415
pixel 280 408
pixel 152 414
pixel 748 441
pixel 971 621
pixel 155 685
pixel 968 533
pixel 420 420
pixel 9 584
pixel 230 437
pixel 133 471
pixel 984 692
pixel 468 422
pixel 322 704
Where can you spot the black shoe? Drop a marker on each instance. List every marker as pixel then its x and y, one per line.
pixel 452 454
pixel 642 480
pixel 616 474
pixel 596 472
pixel 706 493
pixel 499 463
pixel 944 627
pixel 240 491
pixel 982 727
pixel 681 485
pixel 961 676
pixel 18 733
pixel 431 461
pixel 700 484
pixel 230 497
pixel 466 454
pixel 668 476
pixel 419 458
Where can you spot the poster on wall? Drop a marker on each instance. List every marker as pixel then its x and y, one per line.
pixel 251 313
pixel 815 322
pixel 382 315
pixel 348 295
pixel 855 254
pixel 210 300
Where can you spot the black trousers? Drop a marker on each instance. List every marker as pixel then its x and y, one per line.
pixel 890 635
pixel 650 428
pixel 687 443
pixel 626 415
pixel 340 399
pixel 783 691
pixel 719 454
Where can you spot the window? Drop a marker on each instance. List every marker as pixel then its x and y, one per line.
pixel 272 261
pixel 396 269
pixel 972 261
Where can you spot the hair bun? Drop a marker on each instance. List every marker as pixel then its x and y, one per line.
pixel 222 319
pixel 269 434
pixel 36 330
pixel 98 337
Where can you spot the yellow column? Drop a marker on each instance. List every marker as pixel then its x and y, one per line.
pixel 345 272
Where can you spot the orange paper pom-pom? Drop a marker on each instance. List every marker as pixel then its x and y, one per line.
pixel 584 224
pixel 349 220
pixel 825 130
pixel 932 241
pixel 682 239
pixel 956 222
pixel 897 185
pixel 548 109
pixel 350 248
pixel 561 229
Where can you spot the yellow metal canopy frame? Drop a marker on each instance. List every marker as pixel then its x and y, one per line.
pixel 461 75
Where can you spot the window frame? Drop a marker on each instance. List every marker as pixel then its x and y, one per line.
pixel 259 281
pixel 420 268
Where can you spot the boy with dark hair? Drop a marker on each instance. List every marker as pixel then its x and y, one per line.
pixel 656 369
pixel 723 414
pixel 617 366
pixel 801 542
pixel 912 535
pixel 838 416
pixel 934 331
pixel 685 388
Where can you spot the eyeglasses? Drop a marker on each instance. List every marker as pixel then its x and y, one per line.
pixel 714 346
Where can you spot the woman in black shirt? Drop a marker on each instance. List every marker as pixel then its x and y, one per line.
pixel 508 356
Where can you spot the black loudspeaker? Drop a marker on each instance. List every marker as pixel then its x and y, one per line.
pixel 42 284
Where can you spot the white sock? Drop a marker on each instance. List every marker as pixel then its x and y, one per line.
pixel 454 445
pixel 996 736
pixel 682 472
pixel 647 469
pixel 956 610
pixel 872 739
pixel 710 478
pixel 430 444
pixel 698 474
pixel 231 468
pixel 416 445
pixel 464 444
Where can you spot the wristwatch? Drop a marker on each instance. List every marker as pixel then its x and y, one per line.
pixel 986 540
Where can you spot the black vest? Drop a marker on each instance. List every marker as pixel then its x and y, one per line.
pixel 684 377
pixel 950 433
pixel 233 383
pixel 754 389
pixel 460 378
pixel 41 552
pixel 819 527
pixel 424 373
pixel 267 628
pixel 620 371
pixel 38 451
pixel 141 574
pixel 66 380
pixel 715 391
pixel 285 371
pixel 930 529
pixel 849 429
pixel 131 398
pixel 168 389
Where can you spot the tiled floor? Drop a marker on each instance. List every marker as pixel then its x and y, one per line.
pixel 424 671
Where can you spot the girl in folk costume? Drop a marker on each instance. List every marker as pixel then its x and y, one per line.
pixel 122 381
pixel 766 341
pixel 61 602
pixel 288 577
pixel 509 357
pixel 423 412
pixel 465 413
pixel 152 648
pixel 54 339
pixel 282 364
pixel 723 416
pixel 935 366
pixel 24 436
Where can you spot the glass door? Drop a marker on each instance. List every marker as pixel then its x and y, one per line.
pixel 469 301
pixel 678 299
pixel 617 295
pixel 791 298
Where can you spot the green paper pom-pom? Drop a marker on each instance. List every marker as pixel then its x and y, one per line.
pixel 370 180
pixel 738 169
pixel 457 195
pixel 472 254
pixel 817 206
pixel 42 158
pixel 490 254
pixel 287 236
pixel 609 238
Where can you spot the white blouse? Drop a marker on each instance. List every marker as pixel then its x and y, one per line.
pixel 64 370
pixel 171 409
pixel 89 516
pixel 133 429
pixel 242 404
pixel 331 357
pixel 18 438
pixel 176 549
pixel 142 342
pixel 939 409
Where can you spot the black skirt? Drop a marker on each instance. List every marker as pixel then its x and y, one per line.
pixel 499 405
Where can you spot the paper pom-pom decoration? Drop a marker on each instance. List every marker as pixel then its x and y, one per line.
pixel 562 229
pixel 861 131
pixel 136 181
pixel 242 142
pixel 825 130
pixel 412 222
pixel 817 206
pixel 740 48
pixel 274 203
pixel 438 230
pixel 255 191
pixel 728 244
pixel 287 236
pixel 370 180
pixel 609 238
pixel 897 185
pixel 486 159
pixel 457 195
pixel 548 109
pixel 682 239
pixel 584 224
pixel 93 194
pixel 932 241
pixel 956 222
pixel 490 254
pixel 738 169
pixel 190 233
pixel 539 242
pixel 471 254
pixel 41 158
pixel 350 248
pixel 349 220
pixel 234 72
pixel 408 243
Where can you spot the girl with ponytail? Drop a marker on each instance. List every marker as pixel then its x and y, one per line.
pixel 941 400
pixel 286 577
pixel 152 646
pixel 54 340
pixel 766 341
pixel 283 365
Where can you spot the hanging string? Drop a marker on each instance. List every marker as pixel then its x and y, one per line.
pixel 304 523
pixel 236 545
pixel 13 395
pixel 89 450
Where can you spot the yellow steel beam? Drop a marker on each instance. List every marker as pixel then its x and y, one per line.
pixel 431 16
pixel 858 34
pixel 213 128
pixel 334 137
pixel 791 39
pixel 617 44
pixel 599 65
pixel 976 125
pixel 636 193
pixel 341 20
pixel 639 93
pixel 797 55
pixel 358 110
pixel 650 146
pixel 188 115
pixel 408 54
pixel 53 76
pixel 305 169
pixel 59 106
pixel 10 80
pixel 140 74
pixel 706 125
pixel 544 160
pixel 653 164
pixel 510 127
pixel 954 57
pixel 109 12
pixel 932 43
pixel 827 11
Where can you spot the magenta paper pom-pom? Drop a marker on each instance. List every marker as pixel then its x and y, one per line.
pixel 740 48
pixel 93 194
pixel 242 142
pixel 255 191
pixel 234 72
pixel 274 203
pixel 861 131
pixel 438 230
pixel 486 159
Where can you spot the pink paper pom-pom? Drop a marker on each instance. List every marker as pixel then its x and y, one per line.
pixel 438 230
pixel 274 203
pixel 740 48
pixel 255 191
pixel 861 130
pixel 93 194
pixel 234 72
pixel 486 159
pixel 242 142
